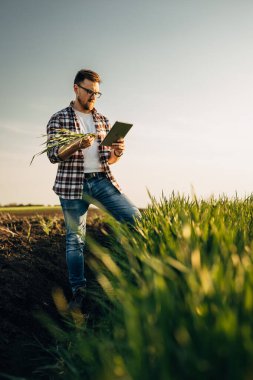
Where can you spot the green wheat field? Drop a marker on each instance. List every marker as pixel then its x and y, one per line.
pixel 174 297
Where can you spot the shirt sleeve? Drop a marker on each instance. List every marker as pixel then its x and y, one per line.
pixel 53 127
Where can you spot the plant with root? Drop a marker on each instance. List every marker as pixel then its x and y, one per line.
pixel 61 138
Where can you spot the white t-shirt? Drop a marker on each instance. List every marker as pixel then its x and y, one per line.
pixel 91 157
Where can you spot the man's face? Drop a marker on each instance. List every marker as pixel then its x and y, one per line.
pixel 86 100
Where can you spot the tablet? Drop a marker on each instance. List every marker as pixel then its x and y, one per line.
pixel 118 130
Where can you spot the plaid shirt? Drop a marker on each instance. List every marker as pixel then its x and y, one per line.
pixel 70 174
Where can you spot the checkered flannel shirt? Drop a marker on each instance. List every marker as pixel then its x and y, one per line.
pixel 70 174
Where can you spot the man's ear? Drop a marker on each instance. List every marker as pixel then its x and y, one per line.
pixel 75 87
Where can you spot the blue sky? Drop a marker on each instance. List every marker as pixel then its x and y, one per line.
pixel 181 71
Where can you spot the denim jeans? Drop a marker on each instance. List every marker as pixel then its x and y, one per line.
pixel 95 190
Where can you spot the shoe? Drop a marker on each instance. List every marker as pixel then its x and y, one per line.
pixel 77 301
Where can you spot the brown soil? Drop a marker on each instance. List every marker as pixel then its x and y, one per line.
pixel 32 264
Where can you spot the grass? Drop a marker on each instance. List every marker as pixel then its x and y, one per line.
pixel 176 298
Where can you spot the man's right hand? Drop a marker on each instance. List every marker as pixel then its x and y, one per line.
pixel 67 150
pixel 86 142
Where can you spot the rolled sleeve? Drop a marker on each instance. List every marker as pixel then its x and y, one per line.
pixel 53 127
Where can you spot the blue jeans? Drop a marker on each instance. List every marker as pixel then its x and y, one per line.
pixel 95 190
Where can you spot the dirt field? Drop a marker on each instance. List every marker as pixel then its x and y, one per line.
pixel 32 264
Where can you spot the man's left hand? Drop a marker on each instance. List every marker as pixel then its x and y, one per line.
pixel 119 147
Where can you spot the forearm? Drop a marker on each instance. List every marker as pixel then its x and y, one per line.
pixel 67 150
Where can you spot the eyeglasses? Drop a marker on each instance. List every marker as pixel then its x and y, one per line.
pixel 90 92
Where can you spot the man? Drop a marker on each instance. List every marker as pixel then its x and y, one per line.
pixel 84 174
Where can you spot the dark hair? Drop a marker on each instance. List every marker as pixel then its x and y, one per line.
pixel 86 74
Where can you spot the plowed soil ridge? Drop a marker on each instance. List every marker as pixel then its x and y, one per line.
pixel 32 264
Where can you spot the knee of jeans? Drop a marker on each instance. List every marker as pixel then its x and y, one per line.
pixel 75 238
pixel 137 214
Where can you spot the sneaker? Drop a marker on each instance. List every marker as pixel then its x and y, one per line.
pixel 77 301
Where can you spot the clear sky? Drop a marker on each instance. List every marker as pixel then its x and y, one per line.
pixel 180 71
